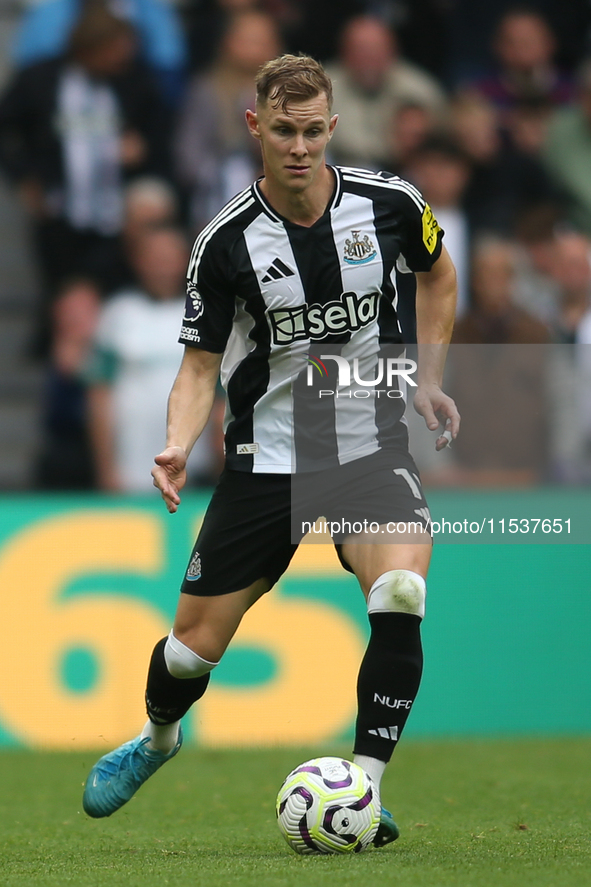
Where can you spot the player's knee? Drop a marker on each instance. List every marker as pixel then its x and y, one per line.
pixel 182 662
pixel 398 591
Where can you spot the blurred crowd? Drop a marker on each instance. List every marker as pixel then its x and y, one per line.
pixel 122 131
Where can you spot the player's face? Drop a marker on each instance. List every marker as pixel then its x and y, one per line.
pixel 294 140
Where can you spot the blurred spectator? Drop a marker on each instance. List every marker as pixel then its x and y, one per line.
pixel 309 26
pixel 524 48
pixel 315 25
pixel 47 25
pixel 536 290
pixel 571 270
pixel 493 317
pixel 71 130
pixel 216 157
pixel 422 28
pixel 500 390
pixel 582 372
pixel 527 123
pixel 148 202
pixel 65 460
pixel 567 151
pixel 570 366
pixel 473 22
pixel 136 359
pixel 504 181
pixel 371 82
pixel 442 171
pixel 205 23
pixel 411 126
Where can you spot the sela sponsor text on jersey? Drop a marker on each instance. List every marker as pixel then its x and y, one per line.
pixel 349 314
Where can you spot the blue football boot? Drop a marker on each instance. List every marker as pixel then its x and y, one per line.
pixel 117 776
pixel 387 831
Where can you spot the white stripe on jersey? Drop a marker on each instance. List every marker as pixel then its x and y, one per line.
pixel 394 182
pixel 393 282
pixel 230 211
pixel 264 246
pixel 380 177
pixel 355 419
pixel 396 186
pixel 408 184
pixel 239 344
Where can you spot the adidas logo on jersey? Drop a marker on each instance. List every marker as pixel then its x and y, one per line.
pixel 350 313
pixel 276 270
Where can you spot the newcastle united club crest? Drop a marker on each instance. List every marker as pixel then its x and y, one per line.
pixel 194 571
pixel 358 251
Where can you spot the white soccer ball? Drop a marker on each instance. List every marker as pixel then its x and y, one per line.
pixel 328 805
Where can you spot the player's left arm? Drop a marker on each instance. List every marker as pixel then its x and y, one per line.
pixel 435 312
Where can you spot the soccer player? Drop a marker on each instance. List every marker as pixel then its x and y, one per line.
pixel 301 263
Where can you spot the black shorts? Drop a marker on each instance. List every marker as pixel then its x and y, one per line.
pixel 254 522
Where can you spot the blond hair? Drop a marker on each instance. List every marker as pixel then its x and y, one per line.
pixel 292 78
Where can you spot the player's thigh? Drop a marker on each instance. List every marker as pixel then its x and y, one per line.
pixel 370 560
pixel 388 526
pixel 243 547
pixel 245 535
pixel 208 624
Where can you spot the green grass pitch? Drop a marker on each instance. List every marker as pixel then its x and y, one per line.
pixel 472 814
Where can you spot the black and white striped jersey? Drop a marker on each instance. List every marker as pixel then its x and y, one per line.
pixel 273 296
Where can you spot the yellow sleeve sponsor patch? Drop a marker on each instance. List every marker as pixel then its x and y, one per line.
pixel 430 228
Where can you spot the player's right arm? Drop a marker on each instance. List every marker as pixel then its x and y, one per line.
pixel 189 406
pixel 206 327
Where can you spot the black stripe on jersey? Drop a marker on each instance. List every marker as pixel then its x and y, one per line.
pixel 391 431
pixel 314 418
pixel 338 192
pixel 250 380
pixel 399 324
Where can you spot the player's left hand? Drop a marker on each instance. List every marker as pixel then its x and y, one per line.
pixel 437 408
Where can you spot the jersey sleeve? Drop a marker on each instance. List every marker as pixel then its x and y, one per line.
pixel 210 302
pixel 421 234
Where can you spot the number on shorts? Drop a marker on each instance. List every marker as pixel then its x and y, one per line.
pixel 412 480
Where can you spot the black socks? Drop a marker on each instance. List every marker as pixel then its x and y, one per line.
pixel 169 698
pixel 388 682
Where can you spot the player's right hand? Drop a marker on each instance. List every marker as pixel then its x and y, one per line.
pixel 169 475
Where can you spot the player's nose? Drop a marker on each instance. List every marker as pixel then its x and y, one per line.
pixel 299 145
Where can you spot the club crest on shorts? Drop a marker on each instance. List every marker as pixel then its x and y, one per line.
pixel 358 251
pixel 194 571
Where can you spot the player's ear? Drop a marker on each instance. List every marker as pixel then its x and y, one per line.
pixel 252 122
pixel 332 124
